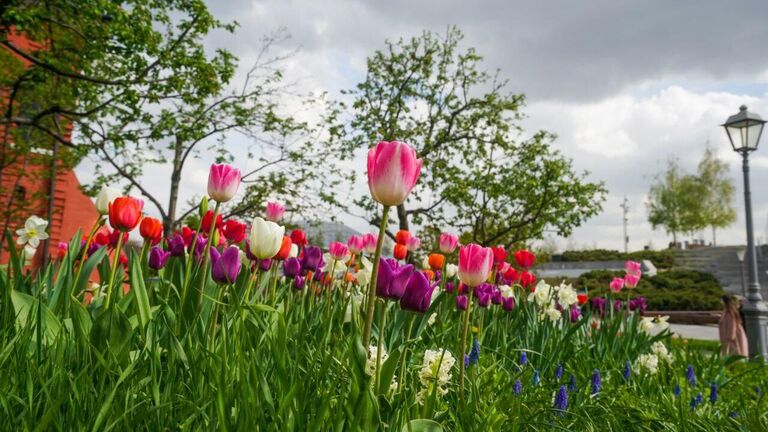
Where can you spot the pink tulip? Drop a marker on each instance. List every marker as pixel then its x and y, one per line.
pixel 475 263
pixel 631 280
pixel 369 243
pixel 617 284
pixel 338 250
pixel 632 268
pixel 275 211
pixel 393 171
pixel 413 243
pixel 355 244
pixel 448 243
pixel 223 181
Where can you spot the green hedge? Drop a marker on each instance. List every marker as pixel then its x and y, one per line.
pixel 678 290
pixel 664 259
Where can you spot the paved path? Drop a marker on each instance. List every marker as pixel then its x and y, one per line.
pixel 707 332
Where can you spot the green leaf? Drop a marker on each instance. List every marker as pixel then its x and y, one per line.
pixel 111 332
pixel 422 425
pixel 140 292
pixel 26 306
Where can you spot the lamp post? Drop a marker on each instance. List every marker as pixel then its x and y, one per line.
pixel 740 256
pixel 744 130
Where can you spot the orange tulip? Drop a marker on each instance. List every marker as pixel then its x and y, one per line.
pixel 436 261
pixel 151 230
pixel 402 237
pixel 285 249
pixel 430 274
pixel 400 251
pixel 125 213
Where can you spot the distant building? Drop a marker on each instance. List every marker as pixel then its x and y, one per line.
pixel 38 183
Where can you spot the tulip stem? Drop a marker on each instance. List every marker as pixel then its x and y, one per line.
pixel 204 259
pixel 371 301
pixel 402 377
pixel 380 343
pixel 115 263
pixel 84 252
pixel 464 344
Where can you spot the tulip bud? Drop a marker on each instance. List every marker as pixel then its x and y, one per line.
pixel 266 238
pixel 223 181
pixel 291 267
pixel 461 302
pixel 203 208
pixel 448 243
pixel 400 252
pixel 475 264
pixel 275 211
pixel 393 171
pixel 402 236
pixel 104 198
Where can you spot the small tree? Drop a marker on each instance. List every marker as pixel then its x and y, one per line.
pixel 673 202
pixel 717 189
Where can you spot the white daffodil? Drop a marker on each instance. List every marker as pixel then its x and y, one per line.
pixel 542 295
pixel 33 232
pixel 506 291
pixel 566 295
pixel 364 274
pixel 654 325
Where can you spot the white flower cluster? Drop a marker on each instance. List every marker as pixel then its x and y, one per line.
pixel 648 363
pixel 370 363
pixel 31 235
pixel 654 325
pixel 435 370
pixel 548 298
pixel 661 351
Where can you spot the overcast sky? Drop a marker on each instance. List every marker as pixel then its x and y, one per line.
pixel 624 84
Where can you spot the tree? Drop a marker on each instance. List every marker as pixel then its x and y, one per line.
pixel 717 193
pixel 462 122
pixel 673 202
pixel 137 85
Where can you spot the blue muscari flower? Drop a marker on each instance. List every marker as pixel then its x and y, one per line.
pixel 559 372
pixel 734 414
pixel 572 383
pixel 690 375
pixel 758 391
pixel 677 390
pixel 466 361
pixel 596 382
pixel 523 359
pixel 713 393
pixel 518 387
pixel 474 353
pixel 696 401
pixel 627 370
pixel 561 400
pixel 536 379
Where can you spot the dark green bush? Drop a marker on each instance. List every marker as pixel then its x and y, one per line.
pixel 664 259
pixel 670 290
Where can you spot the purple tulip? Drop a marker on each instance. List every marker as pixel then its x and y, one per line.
pixel 575 313
pixel 226 266
pixel 496 297
pixel 508 303
pixel 598 304
pixel 265 265
pixel 617 305
pixel 449 286
pixel 482 289
pixel 200 247
pixel 483 299
pixel 248 252
pixel 291 267
pixel 318 276
pixel 392 279
pixel 298 282
pixel 176 245
pixel 93 248
pixel 312 258
pixel 461 302
pixel 158 258
pixel 638 303
pixel 418 293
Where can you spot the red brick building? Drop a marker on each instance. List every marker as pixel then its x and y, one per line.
pixel 34 184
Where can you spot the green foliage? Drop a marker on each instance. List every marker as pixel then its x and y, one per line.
pixel 673 202
pixel 670 290
pixel 663 259
pixel 718 188
pixel 477 176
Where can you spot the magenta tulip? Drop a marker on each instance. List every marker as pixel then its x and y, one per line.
pixel 369 243
pixel 617 284
pixel 393 171
pixel 338 250
pixel 275 211
pixel 475 264
pixel 223 181
pixel 418 293
pixel 448 243
pixel 355 244
pixel 633 268
pixel 631 280
pixel 461 302
pixel 226 267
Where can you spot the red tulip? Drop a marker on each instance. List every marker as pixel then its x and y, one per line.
pixel 524 258
pixel 151 230
pixel 285 249
pixel 125 213
pixel 400 251
pixel 512 275
pixel 234 231
pixel 527 279
pixel 582 298
pixel 499 254
pixel 402 237
pixel 205 224
pixel 299 237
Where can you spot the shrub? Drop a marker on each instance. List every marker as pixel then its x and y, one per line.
pixel 664 259
pixel 680 290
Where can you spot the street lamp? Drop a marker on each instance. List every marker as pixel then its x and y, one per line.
pixel 740 256
pixel 744 130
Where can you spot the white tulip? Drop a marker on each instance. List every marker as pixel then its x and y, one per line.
pixel 451 270
pixel 294 251
pixel 266 238
pixel 105 197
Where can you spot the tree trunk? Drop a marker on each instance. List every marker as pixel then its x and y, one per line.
pixel 402 217
pixel 674 239
pixel 173 196
pixel 714 236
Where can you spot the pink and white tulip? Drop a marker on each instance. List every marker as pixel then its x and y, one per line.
pixel 369 243
pixel 632 268
pixel 393 171
pixel 355 244
pixel 475 263
pixel 617 284
pixel 631 280
pixel 275 211
pixel 413 243
pixel 223 181
pixel 448 243
pixel 338 250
